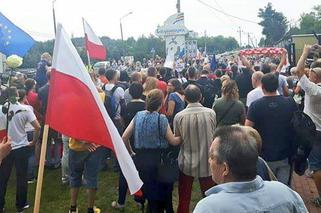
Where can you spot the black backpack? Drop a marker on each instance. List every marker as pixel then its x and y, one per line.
pixel 305 133
pixel 304 129
pixel 208 94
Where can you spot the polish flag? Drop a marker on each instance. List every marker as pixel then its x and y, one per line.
pixel 3 124
pixel 76 109
pixel 94 46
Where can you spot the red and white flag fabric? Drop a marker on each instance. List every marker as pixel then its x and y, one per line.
pixel 94 46
pixel 263 51
pixel 75 108
pixel 3 124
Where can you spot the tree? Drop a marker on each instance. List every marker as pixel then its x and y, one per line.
pixel 140 48
pixel 311 22
pixel 218 44
pixel 274 24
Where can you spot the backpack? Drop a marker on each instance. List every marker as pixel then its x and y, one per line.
pixel 305 133
pixel 110 102
pixel 304 129
pixel 209 94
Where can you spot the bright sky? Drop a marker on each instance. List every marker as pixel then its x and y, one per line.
pixel 35 16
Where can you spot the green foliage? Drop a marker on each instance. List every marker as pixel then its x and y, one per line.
pixel 33 56
pixel 218 44
pixel 274 24
pixel 140 48
pixel 311 22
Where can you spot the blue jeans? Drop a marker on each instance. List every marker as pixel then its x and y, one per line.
pixel 86 164
pixel 315 154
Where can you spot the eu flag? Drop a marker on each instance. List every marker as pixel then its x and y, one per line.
pixel 13 40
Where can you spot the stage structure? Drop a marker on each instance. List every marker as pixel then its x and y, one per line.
pixel 175 34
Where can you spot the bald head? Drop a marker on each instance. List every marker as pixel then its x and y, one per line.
pixel 256 78
pixel 192 93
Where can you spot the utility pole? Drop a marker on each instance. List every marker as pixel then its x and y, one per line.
pixel 178 6
pixel 248 39
pixel 121 30
pixel 240 32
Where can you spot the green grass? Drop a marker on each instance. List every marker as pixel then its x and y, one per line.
pixel 55 196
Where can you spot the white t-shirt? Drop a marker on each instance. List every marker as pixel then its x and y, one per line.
pixel 254 95
pixel 29 127
pixel 127 96
pixel 16 129
pixel 118 94
pixel 282 83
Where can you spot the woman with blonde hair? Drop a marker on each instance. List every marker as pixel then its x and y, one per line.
pixel 229 109
pixel 150 84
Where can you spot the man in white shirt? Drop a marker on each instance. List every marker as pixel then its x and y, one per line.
pixel 118 94
pixel 256 93
pixel 119 104
pixel 18 116
pixel 312 107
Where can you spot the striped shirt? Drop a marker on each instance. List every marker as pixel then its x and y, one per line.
pixel 196 125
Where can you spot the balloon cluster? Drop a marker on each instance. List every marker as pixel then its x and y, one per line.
pixel 14 61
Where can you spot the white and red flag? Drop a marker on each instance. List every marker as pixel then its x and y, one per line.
pixel 94 46
pixel 76 109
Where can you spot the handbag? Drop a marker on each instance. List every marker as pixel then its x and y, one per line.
pixel 167 169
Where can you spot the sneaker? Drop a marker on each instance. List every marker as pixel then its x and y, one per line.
pixel 118 206
pixel 20 210
pixel 32 180
pixel 65 181
pixel 316 201
pixel 70 211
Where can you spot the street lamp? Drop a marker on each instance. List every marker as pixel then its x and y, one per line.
pixel 54 15
pixel 121 29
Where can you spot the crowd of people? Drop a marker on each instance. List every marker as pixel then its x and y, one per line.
pixel 231 128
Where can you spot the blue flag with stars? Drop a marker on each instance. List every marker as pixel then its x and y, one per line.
pixel 13 40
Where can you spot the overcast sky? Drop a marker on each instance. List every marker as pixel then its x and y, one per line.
pixel 35 16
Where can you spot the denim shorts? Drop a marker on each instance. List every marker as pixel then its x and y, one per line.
pixel 315 154
pixel 84 164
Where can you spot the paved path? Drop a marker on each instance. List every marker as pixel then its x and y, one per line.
pixel 307 189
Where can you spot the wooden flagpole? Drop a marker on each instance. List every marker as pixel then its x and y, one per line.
pixel 41 169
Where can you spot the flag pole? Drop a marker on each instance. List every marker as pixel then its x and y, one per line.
pixel 88 57
pixel 41 169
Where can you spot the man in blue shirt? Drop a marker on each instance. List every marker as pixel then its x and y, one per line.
pixel 42 67
pixel 233 157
